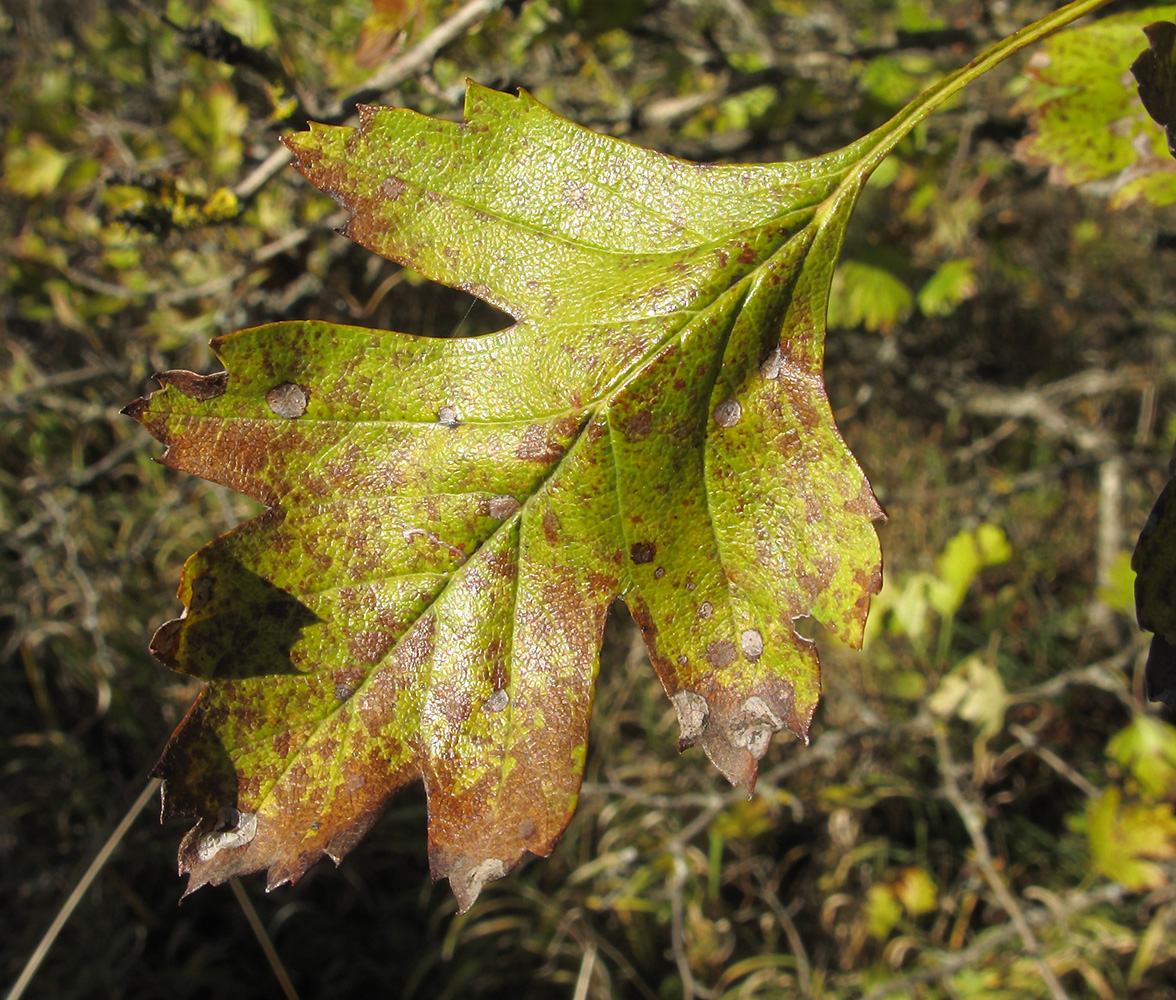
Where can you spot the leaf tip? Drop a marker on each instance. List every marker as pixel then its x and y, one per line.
pixel 467 878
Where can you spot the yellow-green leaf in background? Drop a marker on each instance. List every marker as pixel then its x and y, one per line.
pixel 1147 748
pixel 1126 841
pixel 952 283
pixel 33 167
pixel 869 296
pixel 1086 123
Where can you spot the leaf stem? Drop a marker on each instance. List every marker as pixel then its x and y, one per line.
pixel 75 897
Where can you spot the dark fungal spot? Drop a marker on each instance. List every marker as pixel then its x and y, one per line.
pixel 343 691
pixel 392 188
pixel 720 653
pixel 201 593
pixel 497 701
pixel 659 572
pixel 642 552
pixel 638 426
pixel 706 609
pixel 772 364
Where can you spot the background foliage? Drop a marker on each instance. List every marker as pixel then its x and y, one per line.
pixel 985 779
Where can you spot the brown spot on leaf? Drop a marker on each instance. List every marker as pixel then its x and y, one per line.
pixel 705 609
pixel 550 527
pixel 501 565
pixel 369 645
pixel 393 188
pixel 232 829
pixel 772 364
pixel 659 572
pixel 527 828
pixel 720 653
pixel 166 642
pixel 754 726
pixel 201 593
pixel 502 507
pixel 638 426
pixel 288 400
pixel 642 552
pixel 693 714
pixel 497 701
pixel 535 446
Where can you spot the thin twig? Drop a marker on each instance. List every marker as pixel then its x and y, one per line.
pixel 17 402
pixel 973 820
pixel 75 897
pixel 267 946
pixel 584 979
pixel 804 969
pixel 1030 741
pixel 675 884
pixel 414 61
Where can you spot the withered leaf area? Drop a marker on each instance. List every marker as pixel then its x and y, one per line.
pixel 449 520
pixel 1155 73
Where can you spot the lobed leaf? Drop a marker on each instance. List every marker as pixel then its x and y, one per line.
pixel 450 520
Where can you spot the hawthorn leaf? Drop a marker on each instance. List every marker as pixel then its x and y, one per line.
pixel 450 520
pixel 1086 123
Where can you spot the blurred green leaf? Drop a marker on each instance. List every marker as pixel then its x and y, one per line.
pixel 1126 841
pixel 965 556
pixel 250 20
pixel 1147 748
pixel 975 692
pixel 33 167
pixel 954 282
pixel 1119 593
pixel 210 124
pixel 864 295
pixel 883 911
pixel 1086 124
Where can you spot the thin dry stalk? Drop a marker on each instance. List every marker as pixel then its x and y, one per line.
pixel 75 897
pixel 267 946
pixel 414 61
pixel 973 820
